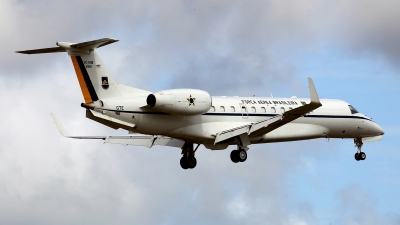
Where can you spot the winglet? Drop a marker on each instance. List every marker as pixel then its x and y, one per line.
pixel 60 127
pixel 313 92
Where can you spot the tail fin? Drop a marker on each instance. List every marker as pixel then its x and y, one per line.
pixel 94 78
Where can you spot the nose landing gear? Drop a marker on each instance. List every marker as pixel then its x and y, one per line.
pixel 359 154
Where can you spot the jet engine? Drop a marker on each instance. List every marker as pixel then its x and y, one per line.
pixel 180 101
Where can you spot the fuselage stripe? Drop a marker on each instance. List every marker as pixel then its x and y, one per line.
pixel 247 115
pixel 88 82
pixel 81 80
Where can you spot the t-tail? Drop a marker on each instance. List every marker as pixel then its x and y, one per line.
pixel 94 78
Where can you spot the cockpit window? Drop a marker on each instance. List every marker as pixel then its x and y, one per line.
pixel 352 109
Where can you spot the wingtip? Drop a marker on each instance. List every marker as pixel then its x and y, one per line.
pixel 60 127
pixel 313 92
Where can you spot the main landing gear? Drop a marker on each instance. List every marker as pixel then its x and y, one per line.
pixel 188 160
pixel 359 154
pixel 239 155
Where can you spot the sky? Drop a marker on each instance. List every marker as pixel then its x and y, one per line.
pixel 244 48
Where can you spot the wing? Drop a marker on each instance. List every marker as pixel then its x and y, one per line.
pixel 266 126
pixel 137 140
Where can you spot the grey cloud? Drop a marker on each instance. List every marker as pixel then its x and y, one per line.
pixel 367 28
pixel 46 179
pixel 218 40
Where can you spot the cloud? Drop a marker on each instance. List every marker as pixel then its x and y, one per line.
pixel 224 47
pixel 47 179
pixel 366 28
pixel 358 206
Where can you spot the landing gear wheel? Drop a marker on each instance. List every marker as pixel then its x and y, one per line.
pixel 235 156
pixel 362 156
pixel 242 155
pixel 191 162
pixel 184 163
pixel 357 156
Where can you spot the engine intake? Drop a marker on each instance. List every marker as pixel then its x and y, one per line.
pixel 151 100
pixel 180 101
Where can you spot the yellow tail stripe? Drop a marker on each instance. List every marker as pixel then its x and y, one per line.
pixel 85 91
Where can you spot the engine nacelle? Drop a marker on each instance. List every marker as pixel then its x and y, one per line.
pixel 180 101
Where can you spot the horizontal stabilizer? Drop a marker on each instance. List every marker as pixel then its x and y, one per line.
pixel 98 43
pixel 65 46
pixel 42 50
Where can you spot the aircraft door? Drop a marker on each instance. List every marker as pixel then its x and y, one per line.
pixel 243 109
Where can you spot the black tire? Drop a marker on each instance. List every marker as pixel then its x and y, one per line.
pixel 242 154
pixel 357 156
pixel 235 156
pixel 184 163
pixel 362 156
pixel 191 162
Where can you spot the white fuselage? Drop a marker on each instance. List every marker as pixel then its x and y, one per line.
pixel 333 119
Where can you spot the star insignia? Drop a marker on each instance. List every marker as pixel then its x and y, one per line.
pixel 191 100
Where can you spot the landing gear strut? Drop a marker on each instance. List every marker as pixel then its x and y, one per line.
pixel 188 160
pixel 359 154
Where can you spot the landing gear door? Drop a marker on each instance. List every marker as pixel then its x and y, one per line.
pixel 243 109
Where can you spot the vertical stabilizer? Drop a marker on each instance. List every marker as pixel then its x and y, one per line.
pixel 93 77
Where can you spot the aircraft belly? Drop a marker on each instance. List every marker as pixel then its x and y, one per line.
pixel 346 127
pixel 293 132
pixel 161 124
pixel 203 128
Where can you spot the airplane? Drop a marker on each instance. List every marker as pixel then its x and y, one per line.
pixel 186 117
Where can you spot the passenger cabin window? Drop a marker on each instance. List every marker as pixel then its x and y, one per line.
pixel 352 109
pixel 263 109
pixel 290 108
pixel 282 110
pixel 212 109
pixel 253 109
pixel 222 109
pixel 273 110
pixel 244 109
pixel 232 109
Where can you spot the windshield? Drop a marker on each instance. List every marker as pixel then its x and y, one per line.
pixel 352 109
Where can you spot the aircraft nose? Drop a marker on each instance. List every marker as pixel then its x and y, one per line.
pixel 379 129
